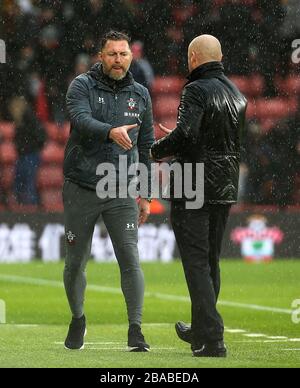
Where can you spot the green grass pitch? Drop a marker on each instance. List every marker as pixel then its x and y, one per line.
pixel 256 304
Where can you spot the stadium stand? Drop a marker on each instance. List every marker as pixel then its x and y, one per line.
pixel 255 72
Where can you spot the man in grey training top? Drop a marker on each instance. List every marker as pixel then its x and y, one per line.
pixel 111 116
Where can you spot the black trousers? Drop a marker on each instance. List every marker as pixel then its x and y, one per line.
pixel 199 235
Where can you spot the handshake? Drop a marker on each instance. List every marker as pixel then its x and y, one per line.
pixel 120 136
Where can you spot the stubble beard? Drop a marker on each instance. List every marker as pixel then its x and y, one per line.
pixel 113 76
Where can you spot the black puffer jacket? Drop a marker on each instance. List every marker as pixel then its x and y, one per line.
pixel 209 128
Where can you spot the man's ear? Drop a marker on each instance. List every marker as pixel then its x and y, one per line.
pixel 100 56
pixel 193 58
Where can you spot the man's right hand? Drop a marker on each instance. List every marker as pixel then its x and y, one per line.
pixel 166 130
pixel 120 136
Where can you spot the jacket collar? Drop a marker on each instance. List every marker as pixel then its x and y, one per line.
pixel 97 73
pixel 207 70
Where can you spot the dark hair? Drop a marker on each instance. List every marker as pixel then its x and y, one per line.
pixel 114 35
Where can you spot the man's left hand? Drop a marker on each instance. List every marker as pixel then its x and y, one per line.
pixel 144 206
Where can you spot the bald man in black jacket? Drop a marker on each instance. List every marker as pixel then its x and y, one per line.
pixel 209 128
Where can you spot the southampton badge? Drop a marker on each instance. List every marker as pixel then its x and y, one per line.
pixel 71 238
pixel 132 104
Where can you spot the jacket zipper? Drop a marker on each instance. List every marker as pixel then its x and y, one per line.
pixel 116 111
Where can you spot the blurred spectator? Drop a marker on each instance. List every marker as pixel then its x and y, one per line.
pixel 256 159
pixel 176 62
pixel 82 64
pixel 3 196
pixel 138 74
pixel 204 18
pixel 29 140
pixel 273 14
pixel 140 67
pixel 155 21
pixel 282 142
pixel 272 161
pixel 238 33
pixel 26 6
pixel 52 62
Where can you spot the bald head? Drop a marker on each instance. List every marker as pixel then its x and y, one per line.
pixel 204 49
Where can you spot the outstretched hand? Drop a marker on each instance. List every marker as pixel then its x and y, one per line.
pixel 120 136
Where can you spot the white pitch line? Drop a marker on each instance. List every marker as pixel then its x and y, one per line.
pixel 255 335
pixel 113 290
pixel 291 350
pixel 259 341
pixel 278 337
pixel 235 331
pixel 122 346
pixel 269 341
pixel 256 307
pixel 158 324
pixel 21 325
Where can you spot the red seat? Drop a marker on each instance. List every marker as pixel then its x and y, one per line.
pixel 8 153
pixel 58 133
pixel 20 208
pixel 252 86
pixel 53 153
pixel 52 131
pixel 50 177
pixel 181 14
pixel 275 108
pixel 289 86
pixel 7 177
pixel 7 131
pixel 51 200
pixel 166 106
pixel 257 85
pixel 241 82
pixel 167 85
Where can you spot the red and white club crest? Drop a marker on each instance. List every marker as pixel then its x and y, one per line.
pixel 132 104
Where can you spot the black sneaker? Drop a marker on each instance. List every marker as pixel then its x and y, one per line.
pixel 136 340
pixel 75 337
pixel 216 349
pixel 184 332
